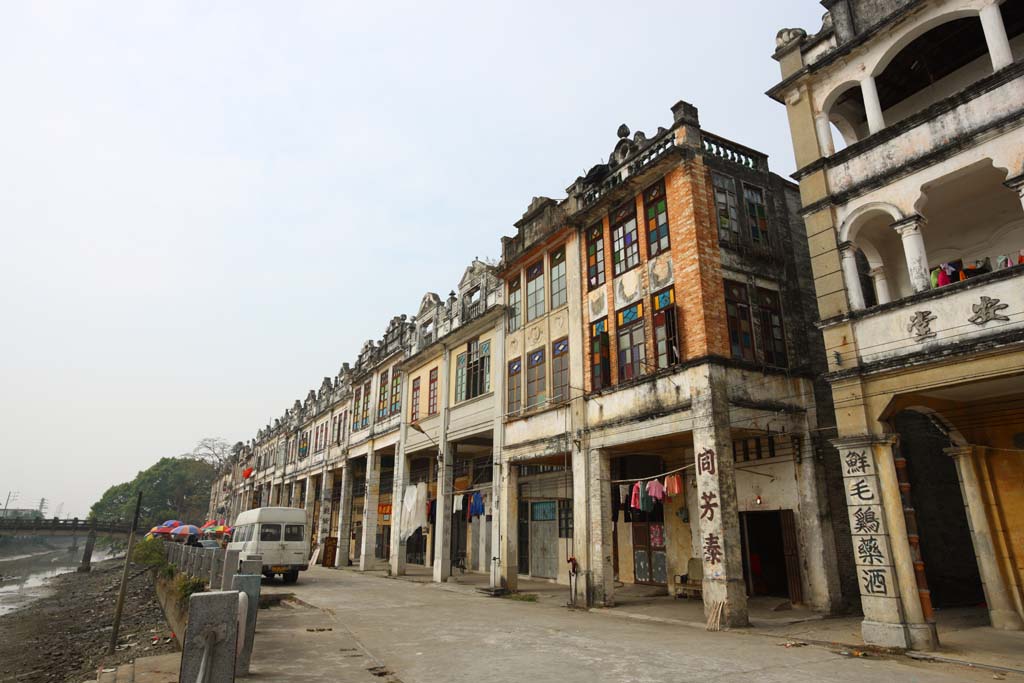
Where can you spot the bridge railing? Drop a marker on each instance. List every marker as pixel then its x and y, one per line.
pixel 56 524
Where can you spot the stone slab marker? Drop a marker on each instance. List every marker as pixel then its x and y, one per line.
pixel 216 568
pixel 230 568
pixel 211 635
pixel 209 558
pixel 250 585
pixel 252 565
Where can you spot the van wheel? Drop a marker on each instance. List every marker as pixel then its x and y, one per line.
pixel 292 576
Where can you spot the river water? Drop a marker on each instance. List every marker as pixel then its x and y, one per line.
pixel 24 577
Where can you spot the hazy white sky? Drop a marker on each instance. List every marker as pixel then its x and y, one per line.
pixel 206 207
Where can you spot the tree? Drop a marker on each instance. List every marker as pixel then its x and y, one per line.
pixel 173 488
pixel 215 451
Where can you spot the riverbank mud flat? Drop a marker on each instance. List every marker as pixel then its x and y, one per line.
pixel 63 636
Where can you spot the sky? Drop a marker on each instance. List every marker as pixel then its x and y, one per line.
pixel 207 207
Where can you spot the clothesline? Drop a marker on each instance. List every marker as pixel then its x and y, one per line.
pixel 656 476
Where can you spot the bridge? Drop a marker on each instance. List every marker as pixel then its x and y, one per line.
pixel 63 527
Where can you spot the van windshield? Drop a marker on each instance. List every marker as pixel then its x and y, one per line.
pixel 270 532
pixel 293 532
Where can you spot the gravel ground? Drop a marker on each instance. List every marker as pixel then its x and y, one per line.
pixel 63 636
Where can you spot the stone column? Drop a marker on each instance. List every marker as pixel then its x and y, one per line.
pixel 345 517
pixel 851 276
pixel 909 230
pixel 1001 609
pixel 309 504
pixel 719 522
pixel 367 559
pixel 872 106
pixel 599 533
pixel 995 36
pixel 399 549
pixel 324 523
pixel 508 537
pixel 443 515
pixel 881 285
pixel 230 568
pixel 817 539
pixel 582 522
pixel 826 145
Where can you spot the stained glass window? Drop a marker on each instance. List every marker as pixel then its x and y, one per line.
pixel 737 309
pixel 432 393
pixel 414 405
pixel 657 219
pixel 558 286
pixel 625 248
pixel 364 417
pixel 396 391
pixel 771 337
pixel 632 352
pixel 534 291
pixel 600 355
pixel 728 213
pixel 666 337
pixel 382 396
pixel 595 256
pixel 631 314
pixel 535 379
pixel 356 403
pixel 757 214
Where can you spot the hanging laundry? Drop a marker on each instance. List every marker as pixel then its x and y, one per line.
pixel 467 505
pixel 457 502
pixel 624 494
pixel 646 503
pixel 616 505
pixel 655 490
pixel 432 512
pixel 419 518
pixel 634 501
pixel 476 508
pixel 673 485
pixel 406 527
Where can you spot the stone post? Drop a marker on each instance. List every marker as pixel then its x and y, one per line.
pixel 345 517
pixel 851 276
pixel 210 637
pixel 909 230
pixel 508 537
pixel 872 106
pixel 90 543
pixel 367 554
pixel 249 585
pixel 209 562
pixel 826 145
pixel 718 524
pixel 401 481
pixel 230 568
pixel 251 565
pixel 995 36
pixel 1001 609
pixel 216 568
pixel 443 515
pixel 599 533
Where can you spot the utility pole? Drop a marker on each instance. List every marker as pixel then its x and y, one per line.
pixel 42 506
pixel 11 495
pixel 124 578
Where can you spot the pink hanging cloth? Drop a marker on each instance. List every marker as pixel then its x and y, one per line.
pixel 655 490
pixel 634 501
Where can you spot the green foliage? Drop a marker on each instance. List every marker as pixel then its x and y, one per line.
pixel 149 552
pixel 185 586
pixel 173 488
pixel 167 571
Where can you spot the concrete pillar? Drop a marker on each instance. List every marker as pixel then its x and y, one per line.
pixel 324 523
pixel 601 568
pixel 851 276
pixel 443 516
pixel 995 36
pixel 1001 608
pixel 399 548
pixel 309 504
pixel 872 106
pixel 508 536
pixel 367 560
pixel 881 285
pixel 230 569
pixel 345 516
pixel 581 502
pixel 497 453
pixel 248 585
pixel 213 627
pixel 817 540
pixel 719 523
pixel 825 143
pixel 909 230
pixel 90 543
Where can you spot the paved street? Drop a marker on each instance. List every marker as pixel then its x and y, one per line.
pixel 428 633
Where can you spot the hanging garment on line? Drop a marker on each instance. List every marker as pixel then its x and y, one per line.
pixel 623 495
pixel 634 501
pixel 655 490
pixel 432 512
pixel 406 529
pixel 616 504
pixel 673 485
pixel 457 502
pixel 419 517
pixel 646 502
pixel 476 508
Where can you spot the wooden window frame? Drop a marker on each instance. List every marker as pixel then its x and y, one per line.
pixel 536 303
pixel 600 356
pixel 632 355
pixel 727 208
pixel 739 315
pixel 560 370
pixel 559 282
pixel 625 239
pixel 536 378
pixel 666 329
pixel 595 256
pixel 396 391
pixel 383 403
pixel 515 304
pixel 514 395
pixel 414 401
pixel 432 392
pixel 754 199
pixel 658 238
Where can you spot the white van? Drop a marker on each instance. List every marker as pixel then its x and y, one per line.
pixel 278 535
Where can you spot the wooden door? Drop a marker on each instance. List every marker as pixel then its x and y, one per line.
pixel 790 549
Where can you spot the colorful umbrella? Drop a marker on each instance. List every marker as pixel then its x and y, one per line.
pixel 160 530
pixel 209 523
pixel 186 530
pixel 172 523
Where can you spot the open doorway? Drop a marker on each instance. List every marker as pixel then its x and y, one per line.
pixel 771 561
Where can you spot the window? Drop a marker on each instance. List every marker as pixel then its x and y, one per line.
pixel 396 391
pixel 666 335
pixel 304 444
pixel 600 356
pixel 477 381
pixel 515 386
pixel 728 214
pixel 757 214
pixel 382 396
pixel 625 249
pixel 414 405
pixel 270 532
pixel 737 309
pixel 632 354
pixel 771 337
pixel 535 380
pixel 515 304
pixel 364 411
pixel 432 393
pixel 356 402
pixel 535 291
pixel 427 332
pixel 657 219
pixel 595 256
pixel 471 303
pixel 564 518
pixel 560 370
pixel 293 532
pixel 558 287
pixel 460 377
